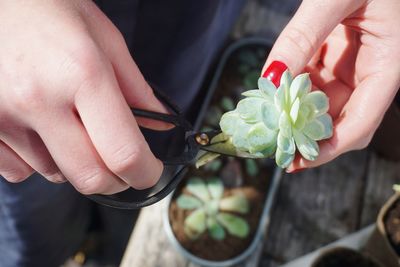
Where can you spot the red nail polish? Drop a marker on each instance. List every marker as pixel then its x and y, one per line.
pixel 274 72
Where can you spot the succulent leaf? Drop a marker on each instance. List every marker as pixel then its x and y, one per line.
pixel 319 101
pixel 227 103
pixel 195 223
pixel 229 121
pixel 235 203
pixel 259 137
pixel 270 116
pixel 215 187
pixel 187 202
pixel 198 188
pixel 251 167
pixel 246 109
pixel 286 144
pixel 283 159
pixel 215 230
pixel 235 225
pixel 253 93
pixel 267 87
pixel 307 147
pixel 300 86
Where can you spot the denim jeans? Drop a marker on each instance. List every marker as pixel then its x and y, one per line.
pixel 173 43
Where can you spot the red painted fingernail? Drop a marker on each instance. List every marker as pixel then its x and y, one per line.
pixel 274 72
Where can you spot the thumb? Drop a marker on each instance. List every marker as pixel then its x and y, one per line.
pixel 307 30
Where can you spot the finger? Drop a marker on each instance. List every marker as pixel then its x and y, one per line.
pixel 115 133
pixel 357 123
pixel 72 150
pixel 30 147
pixel 12 167
pixel 337 91
pixel 134 87
pixel 307 30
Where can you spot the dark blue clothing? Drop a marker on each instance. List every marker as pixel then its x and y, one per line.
pixel 173 43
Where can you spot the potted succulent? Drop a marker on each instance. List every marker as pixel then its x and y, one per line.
pixel 344 257
pixel 218 214
pixel 384 244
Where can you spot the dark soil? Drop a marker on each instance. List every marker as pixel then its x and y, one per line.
pixel 392 225
pixel 241 73
pixel 344 257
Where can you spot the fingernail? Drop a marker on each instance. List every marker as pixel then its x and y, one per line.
pixel 274 72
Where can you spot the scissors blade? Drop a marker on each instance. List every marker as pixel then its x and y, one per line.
pixel 221 143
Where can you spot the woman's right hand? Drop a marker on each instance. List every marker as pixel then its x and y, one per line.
pixel 67 81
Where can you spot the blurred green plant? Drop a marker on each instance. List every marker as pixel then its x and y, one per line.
pixel 212 211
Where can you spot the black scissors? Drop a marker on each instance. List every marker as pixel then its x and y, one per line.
pixel 174 166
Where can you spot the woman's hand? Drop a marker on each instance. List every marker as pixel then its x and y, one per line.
pixel 66 83
pixel 352 50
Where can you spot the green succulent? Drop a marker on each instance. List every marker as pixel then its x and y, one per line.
pixel 272 121
pixel 212 211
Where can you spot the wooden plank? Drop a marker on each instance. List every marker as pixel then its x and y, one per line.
pixel 316 207
pixel 382 174
pixel 148 245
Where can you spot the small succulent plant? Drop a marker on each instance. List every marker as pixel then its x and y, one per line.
pixel 212 211
pixel 272 121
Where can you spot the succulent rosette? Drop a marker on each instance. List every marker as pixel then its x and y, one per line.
pixel 272 121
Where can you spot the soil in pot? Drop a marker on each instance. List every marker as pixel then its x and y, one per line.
pixel 392 225
pixel 252 177
pixel 344 257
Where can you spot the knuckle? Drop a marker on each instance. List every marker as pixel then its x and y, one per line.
pixel 84 61
pixel 302 42
pixel 90 182
pixel 27 97
pixel 126 158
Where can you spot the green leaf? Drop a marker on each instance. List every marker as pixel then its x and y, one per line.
pixel 211 207
pixel 279 99
pixel 283 159
pixel 198 188
pixel 235 203
pixel 286 80
pixel 251 167
pixel 286 144
pixel 187 202
pixel 235 225
pixel 326 120
pixel 267 87
pixel 268 152
pixel 253 93
pixel 307 147
pixel 215 230
pixel 270 115
pixel 285 125
pixel 227 103
pixel 318 101
pixel 229 121
pixel 195 223
pixel 294 111
pixel 239 136
pixel 260 137
pixel 249 109
pixel 213 166
pixel 300 86
pixel 206 158
pixel 320 128
pixel 215 187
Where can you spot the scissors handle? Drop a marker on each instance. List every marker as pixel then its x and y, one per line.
pixel 174 167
